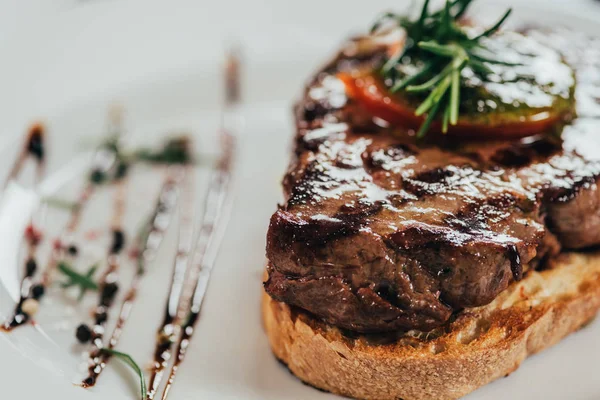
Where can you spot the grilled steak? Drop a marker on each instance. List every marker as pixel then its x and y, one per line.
pixel 380 233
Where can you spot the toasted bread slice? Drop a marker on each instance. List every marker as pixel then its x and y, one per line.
pixel 481 345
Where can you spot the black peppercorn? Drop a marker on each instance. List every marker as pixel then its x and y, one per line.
pixel 30 267
pixel 108 293
pixel 118 241
pixel 101 317
pixel 122 169
pixel 72 249
pixel 83 334
pixel 97 176
pixel 37 291
pixel 89 381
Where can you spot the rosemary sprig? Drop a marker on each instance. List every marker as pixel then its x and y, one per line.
pixel 127 359
pixel 442 48
pixel 84 282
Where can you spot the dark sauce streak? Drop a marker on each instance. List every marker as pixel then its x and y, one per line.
pixel 149 243
pixel 35 143
pixel 28 289
pixel 206 250
pixel 182 346
pixel 109 288
pixel 118 241
pixel 34 146
pixel 167 330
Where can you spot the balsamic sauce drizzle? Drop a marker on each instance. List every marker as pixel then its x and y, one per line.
pixel 167 330
pixel 108 288
pixel 207 246
pixel 182 309
pixel 148 244
pixel 34 148
pixel 104 161
pixel 206 249
pixel 207 242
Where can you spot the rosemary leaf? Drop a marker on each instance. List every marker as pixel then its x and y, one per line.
pixel 432 82
pixel 83 282
pixel 445 120
pixel 494 27
pixel 56 202
pixel 430 117
pixel 127 359
pixel 464 5
pixel 382 18
pixel 480 67
pixel 481 58
pixel 410 79
pixel 434 97
pixel 454 97
pixel 421 22
pixel 391 63
pixel 445 23
pixel 434 47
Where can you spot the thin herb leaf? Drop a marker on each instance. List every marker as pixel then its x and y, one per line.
pixel 446 120
pixel 464 5
pixel 84 282
pixel 380 21
pixel 430 83
pixel 421 23
pixel 391 63
pixel 481 58
pixel 59 203
pixel 441 50
pixel 430 117
pixel 445 23
pixel 434 97
pixel 454 97
pixel 410 79
pixel 174 151
pixel 494 27
pixel 480 67
pixel 127 359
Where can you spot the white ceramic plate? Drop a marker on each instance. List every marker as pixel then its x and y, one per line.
pixel 229 357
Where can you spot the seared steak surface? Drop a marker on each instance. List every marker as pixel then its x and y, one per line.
pixel 380 233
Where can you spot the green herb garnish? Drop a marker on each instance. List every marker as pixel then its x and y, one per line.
pixel 56 202
pixel 174 151
pixel 127 359
pixel 84 282
pixel 441 48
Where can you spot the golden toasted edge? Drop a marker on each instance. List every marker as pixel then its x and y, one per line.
pixel 481 345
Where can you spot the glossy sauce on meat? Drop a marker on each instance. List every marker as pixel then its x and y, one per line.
pixel 380 232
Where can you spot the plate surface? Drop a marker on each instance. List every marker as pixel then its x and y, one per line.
pixel 229 357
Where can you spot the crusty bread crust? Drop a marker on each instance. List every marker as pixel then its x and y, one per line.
pixel 481 345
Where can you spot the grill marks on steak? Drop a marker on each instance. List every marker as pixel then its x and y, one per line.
pixel 378 233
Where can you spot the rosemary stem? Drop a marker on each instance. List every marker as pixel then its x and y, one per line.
pixel 410 79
